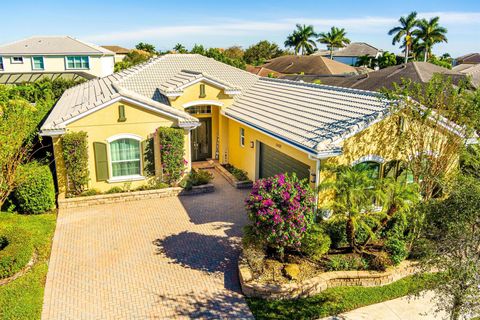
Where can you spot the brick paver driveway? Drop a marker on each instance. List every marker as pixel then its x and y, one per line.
pixel 150 259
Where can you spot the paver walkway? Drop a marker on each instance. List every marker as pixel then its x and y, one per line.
pixel 150 259
pixel 404 308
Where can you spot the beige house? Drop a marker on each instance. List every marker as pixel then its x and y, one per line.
pixel 53 56
pixel 120 52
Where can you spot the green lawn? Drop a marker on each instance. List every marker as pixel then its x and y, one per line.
pixel 22 298
pixel 337 300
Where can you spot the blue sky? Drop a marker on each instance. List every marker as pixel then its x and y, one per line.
pixel 225 23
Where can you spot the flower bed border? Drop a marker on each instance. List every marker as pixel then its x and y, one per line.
pixel 20 273
pixel 132 196
pixel 247 184
pixel 317 284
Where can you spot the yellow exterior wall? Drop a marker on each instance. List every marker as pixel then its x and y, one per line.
pixel 100 66
pixel 245 157
pixel 102 125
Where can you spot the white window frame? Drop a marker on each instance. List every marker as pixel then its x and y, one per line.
pixel 242 137
pixel 33 63
pixel 133 177
pixel 2 67
pixel 12 60
pixel 66 62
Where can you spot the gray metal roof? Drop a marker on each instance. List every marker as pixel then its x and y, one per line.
pixel 313 117
pixel 52 45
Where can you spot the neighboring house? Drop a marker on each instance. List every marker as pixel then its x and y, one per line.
pixel 120 52
pixel 263 72
pixel 352 52
pixel 261 125
pixel 312 65
pixel 470 70
pixel 53 56
pixel 418 72
pixel 471 58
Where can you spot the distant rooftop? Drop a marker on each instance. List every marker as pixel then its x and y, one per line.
pixel 312 64
pixel 354 49
pixel 117 49
pixel 471 58
pixel 52 45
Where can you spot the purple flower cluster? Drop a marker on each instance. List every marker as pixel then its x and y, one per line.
pixel 281 209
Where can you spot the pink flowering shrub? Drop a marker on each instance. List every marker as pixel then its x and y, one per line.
pixel 172 152
pixel 282 210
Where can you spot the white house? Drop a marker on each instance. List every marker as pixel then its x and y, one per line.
pixel 352 52
pixel 53 56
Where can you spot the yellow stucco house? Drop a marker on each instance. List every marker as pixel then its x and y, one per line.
pixel 263 126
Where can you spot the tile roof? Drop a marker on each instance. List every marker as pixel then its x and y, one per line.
pixel 472 71
pixel 313 117
pixel 117 49
pixel 312 64
pixel 262 71
pixel 50 45
pixel 354 49
pixel 420 72
pixel 471 58
pixel 146 81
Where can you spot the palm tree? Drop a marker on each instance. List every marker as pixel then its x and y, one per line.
pixel 430 32
pixel 180 48
pixel 353 200
pixel 404 31
pixel 335 38
pixel 301 39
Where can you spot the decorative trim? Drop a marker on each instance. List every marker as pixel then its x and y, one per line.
pixel 124 136
pixel 370 157
pixel 202 102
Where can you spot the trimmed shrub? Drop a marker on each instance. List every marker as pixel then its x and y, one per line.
pixel 315 243
pixel 196 178
pixel 172 152
pixel 397 250
pixel 239 174
pixel 35 192
pixel 346 262
pixel 90 192
pixel 281 209
pixel 114 190
pixel 75 156
pixel 16 252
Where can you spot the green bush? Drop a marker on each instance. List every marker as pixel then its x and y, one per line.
pixel 397 250
pixel 346 262
pixel 239 174
pixel 75 156
pixel 16 252
pixel 153 184
pixel 114 190
pixel 196 178
pixel 172 152
pixel 379 261
pixel 90 192
pixel 35 192
pixel 336 231
pixel 315 243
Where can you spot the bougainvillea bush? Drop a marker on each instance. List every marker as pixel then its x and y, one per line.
pixel 282 210
pixel 171 151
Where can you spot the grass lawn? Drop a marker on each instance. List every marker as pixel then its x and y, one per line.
pixel 337 300
pixel 22 298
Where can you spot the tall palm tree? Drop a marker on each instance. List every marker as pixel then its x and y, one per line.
pixel 404 31
pixel 335 38
pixel 180 48
pixel 301 39
pixel 430 32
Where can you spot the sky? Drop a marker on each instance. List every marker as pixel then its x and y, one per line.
pixel 225 23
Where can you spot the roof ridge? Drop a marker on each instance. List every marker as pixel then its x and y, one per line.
pixel 417 70
pixel 324 86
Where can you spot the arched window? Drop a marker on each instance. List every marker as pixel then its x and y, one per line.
pixel 371 167
pixel 125 157
pixel 397 169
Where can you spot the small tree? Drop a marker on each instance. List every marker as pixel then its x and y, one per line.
pixel 453 231
pixel 282 210
pixel 150 48
pixel 75 157
pixel 262 51
pixel 172 153
pixel 439 119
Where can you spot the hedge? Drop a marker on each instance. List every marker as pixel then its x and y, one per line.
pixel 16 249
pixel 172 153
pixel 35 192
pixel 75 156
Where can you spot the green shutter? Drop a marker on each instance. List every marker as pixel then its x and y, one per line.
pixel 148 156
pixel 202 91
pixel 101 160
pixel 121 113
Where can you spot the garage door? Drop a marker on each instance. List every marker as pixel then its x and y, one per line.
pixel 273 162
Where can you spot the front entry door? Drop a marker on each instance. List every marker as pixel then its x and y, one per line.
pixel 202 140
